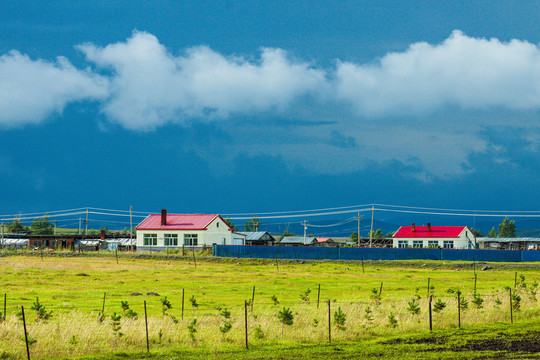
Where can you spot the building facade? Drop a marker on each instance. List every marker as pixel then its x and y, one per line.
pixel 172 231
pixel 446 237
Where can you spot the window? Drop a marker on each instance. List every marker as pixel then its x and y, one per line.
pixel 190 239
pixel 448 244
pixel 417 244
pixel 402 244
pixel 150 239
pixel 433 243
pixel 171 239
pixel 217 224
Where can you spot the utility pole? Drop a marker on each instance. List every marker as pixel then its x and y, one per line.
pixel 86 232
pixel 80 226
pixel 358 237
pixel 371 232
pixel 2 235
pixel 55 227
pixel 130 228
pixel 256 224
pixel 305 223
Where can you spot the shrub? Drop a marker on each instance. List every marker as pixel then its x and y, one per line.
pixel 478 301
pixel 42 313
pixel 275 300
pixel 439 305
pixel 192 329
pixel 339 319
pixel 193 301
pixel 392 321
pixel 286 316
pixel 414 307
pixel 115 323
pixel 259 334
pixel 305 295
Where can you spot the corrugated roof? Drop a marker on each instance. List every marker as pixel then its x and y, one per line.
pixel 254 235
pixel 509 240
pixel 296 240
pixel 436 232
pixel 177 222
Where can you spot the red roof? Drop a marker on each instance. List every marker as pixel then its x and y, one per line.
pixel 178 222
pixel 436 232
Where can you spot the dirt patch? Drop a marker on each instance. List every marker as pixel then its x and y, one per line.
pixel 529 343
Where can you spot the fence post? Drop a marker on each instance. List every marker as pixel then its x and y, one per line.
pixel 318 295
pixel 362 264
pixel 475 276
pixel 329 324
pixel 116 252
pixel 430 317
pixel 103 307
pixel 246 322
pixel 380 290
pixel 428 279
pixel 146 325
pixel 277 263
pixel 194 260
pixel 459 309
pixel 252 298
pixel 182 304
pixel 5 302
pixel 25 333
pixel 511 312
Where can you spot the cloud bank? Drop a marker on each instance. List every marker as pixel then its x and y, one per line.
pixel 386 110
pixel 142 85
pixel 31 90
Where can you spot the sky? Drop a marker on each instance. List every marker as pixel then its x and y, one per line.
pixel 256 106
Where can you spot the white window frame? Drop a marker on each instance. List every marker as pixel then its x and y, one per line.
pixel 170 239
pixel 191 239
pixel 433 243
pixel 418 244
pixel 402 244
pixel 150 240
pixel 448 244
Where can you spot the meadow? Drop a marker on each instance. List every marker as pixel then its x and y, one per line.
pixel 371 304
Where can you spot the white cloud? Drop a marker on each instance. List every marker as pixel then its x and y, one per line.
pixel 466 72
pixel 151 87
pixel 399 103
pixel 30 90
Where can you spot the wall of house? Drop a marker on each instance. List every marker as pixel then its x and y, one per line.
pixel 461 242
pixel 217 232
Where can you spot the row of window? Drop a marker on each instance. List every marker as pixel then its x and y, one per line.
pixel 171 239
pixel 446 244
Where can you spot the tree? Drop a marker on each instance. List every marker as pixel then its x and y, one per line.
pixel 507 229
pixel 229 221
pixel 477 232
pixel 252 225
pixel 16 226
pixel 42 226
pixel 354 237
pixel 492 233
pixel 378 234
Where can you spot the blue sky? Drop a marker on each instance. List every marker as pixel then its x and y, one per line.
pixel 254 106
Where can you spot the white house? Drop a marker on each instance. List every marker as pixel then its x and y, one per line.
pixel 169 231
pixel 446 237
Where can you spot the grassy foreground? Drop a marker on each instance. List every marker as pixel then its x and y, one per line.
pixel 72 288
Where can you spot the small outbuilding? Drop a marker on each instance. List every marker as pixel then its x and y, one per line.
pixel 260 238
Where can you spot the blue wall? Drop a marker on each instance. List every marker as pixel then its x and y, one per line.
pixel 335 253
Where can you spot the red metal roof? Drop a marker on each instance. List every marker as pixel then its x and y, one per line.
pixel 178 222
pixel 436 232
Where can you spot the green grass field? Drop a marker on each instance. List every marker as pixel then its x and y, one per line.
pixel 73 287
